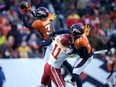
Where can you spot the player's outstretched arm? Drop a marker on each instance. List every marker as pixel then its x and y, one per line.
pixel 23 7
pixel 58 32
pixel 28 25
pixel 29 8
pixel 45 42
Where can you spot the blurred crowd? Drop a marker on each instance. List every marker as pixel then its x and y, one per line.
pixel 16 41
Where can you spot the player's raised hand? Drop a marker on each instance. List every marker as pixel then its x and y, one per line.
pixel 23 6
pixel 87 29
pixel 29 7
pixel 53 16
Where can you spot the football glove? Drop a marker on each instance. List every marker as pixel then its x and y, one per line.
pixel 87 30
pixel 23 6
pixel 53 16
pixel 29 7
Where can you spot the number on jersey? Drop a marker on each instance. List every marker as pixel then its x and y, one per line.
pixel 56 51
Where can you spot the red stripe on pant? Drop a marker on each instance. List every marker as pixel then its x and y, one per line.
pixel 53 74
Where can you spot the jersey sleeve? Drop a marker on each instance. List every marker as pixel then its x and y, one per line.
pixel 36 24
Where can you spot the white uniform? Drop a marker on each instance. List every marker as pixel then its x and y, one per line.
pixel 59 53
pixel 52 68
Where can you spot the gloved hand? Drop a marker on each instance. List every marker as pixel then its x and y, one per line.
pixel 87 29
pixel 53 16
pixel 23 6
pixel 29 7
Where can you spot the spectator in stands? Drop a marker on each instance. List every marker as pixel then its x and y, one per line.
pixel 5 25
pixel 24 50
pixel 33 41
pixel 10 51
pixel 34 46
pixel 2 38
pixel 72 18
pixel 24 34
pixel 1 56
pixel 72 15
pixel 15 33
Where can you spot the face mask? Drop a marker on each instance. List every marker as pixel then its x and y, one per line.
pixel 23 44
pixel 7 53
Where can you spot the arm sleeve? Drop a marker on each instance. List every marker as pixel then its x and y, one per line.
pixel 46 42
pixel 60 32
pixel 28 25
pixel 82 52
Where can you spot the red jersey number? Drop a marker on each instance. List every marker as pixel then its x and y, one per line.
pixel 55 55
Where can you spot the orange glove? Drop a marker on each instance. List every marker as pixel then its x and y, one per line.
pixel 53 16
pixel 87 30
pixel 29 8
pixel 24 6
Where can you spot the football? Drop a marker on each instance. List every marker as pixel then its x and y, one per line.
pixel 23 5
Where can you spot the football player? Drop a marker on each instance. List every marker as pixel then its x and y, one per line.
pixel 43 24
pixel 82 47
pixel 60 51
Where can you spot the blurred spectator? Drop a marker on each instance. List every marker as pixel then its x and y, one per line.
pixel 1 56
pixel 39 3
pixel 7 53
pixel 2 38
pixel 72 18
pixel 72 15
pixel 113 15
pixel 81 4
pixel 24 34
pixel 10 51
pixel 5 25
pixel 15 33
pixel 33 41
pixel 34 46
pixel 12 15
pixel 2 77
pixel 24 50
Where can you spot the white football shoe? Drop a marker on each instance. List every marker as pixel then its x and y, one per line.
pixel 68 80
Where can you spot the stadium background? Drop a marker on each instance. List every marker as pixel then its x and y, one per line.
pixel 19 44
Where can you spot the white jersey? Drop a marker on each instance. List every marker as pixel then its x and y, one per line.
pixel 59 53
